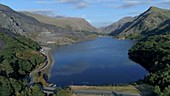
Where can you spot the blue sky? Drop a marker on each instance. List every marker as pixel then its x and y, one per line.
pixel 97 12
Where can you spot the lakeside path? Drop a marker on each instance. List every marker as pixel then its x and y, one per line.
pixel 37 74
pixel 49 61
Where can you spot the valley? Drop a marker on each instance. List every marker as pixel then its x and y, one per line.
pixel 43 55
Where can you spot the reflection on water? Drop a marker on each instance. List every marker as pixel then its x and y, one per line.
pixel 98 62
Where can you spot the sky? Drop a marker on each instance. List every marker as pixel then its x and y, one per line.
pixel 97 12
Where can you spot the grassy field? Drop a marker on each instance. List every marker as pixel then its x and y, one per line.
pixel 142 89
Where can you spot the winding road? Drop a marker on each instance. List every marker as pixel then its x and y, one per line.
pixel 45 51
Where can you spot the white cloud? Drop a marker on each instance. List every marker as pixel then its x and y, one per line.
pixel 96 1
pixel 127 4
pixel 122 4
pixel 69 1
pixel 165 2
pixel 78 4
pixel 81 5
pixel 46 2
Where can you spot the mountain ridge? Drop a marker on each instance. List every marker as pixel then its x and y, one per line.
pixel 147 21
pixel 141 26
pixel 116 26
pixel 22 24
pixel 70 23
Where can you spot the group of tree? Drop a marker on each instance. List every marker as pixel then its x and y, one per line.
pixel 18 57
pixel 153 53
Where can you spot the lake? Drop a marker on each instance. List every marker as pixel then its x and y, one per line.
pixel 103 61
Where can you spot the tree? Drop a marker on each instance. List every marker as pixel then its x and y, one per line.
pixel 63 92
pixel 5 87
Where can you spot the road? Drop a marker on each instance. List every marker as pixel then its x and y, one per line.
pixel 39 70
pixel 49 90
pixel 102 93
pixel 48 61
pixel 93 92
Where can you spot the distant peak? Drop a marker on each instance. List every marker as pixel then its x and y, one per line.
pixel 153 8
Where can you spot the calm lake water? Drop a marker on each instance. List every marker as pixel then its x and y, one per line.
pixel 103 61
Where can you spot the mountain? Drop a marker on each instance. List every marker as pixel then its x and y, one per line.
pixel 20 55
pixel 152 51
pixel 148 21
pixel 22 24
pixel 70 23
pixel 116 27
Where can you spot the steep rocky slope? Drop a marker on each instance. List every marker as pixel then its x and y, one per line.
pixel 20 23
pixel 41 32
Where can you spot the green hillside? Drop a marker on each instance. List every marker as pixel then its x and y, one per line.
pixel 18 57
pixel 146 23
pixel 153 51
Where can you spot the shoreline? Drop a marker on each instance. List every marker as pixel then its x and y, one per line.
pixel 37 75
pixel 50 60
pixel 45 69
